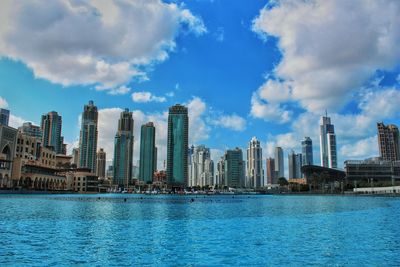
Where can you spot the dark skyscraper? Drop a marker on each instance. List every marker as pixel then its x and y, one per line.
pixel 234 168
pixel 51 131
pixel 88 137
pixel 123 150
pixel 389 142
pixel 178 146
pixel 148 153
pixel 101 164
pixel 4 116
pixel 307 151
pixel 271 175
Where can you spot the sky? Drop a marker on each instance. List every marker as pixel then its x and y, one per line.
pixel 244 68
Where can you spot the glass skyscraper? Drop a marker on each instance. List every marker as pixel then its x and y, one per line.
pixel 307 151
pixel 123 150
pixel 148 153
pixel 234 168
pixel 178 146
pixel 51 131
pixel 4 116
pixel 88 137
pixel 328 143
pixel 279 164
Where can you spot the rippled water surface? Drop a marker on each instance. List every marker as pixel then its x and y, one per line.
pixel 106 230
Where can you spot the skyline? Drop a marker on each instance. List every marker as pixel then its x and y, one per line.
pixel 280 79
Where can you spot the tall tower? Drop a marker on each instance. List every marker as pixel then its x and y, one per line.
pixel 51 131
pixel 148 153
pixel 295 162
pixel 328 143
pixel 389 142
pixel 123 150
pixel 177 146
pixel 201 167
pixel 307 151
pixel 234 168
pixel 88 137
pixel 255 171
pixel 101 164
pixel 271 175
pixel 279 164
pixel 4 116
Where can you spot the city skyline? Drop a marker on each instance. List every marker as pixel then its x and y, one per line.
pixel 231 96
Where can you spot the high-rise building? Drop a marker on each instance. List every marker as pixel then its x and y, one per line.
pixel 255 171
pixel 148 153
pixel 234 168
pixel 4 116
pixel 75 156
pixel 307 151
pixel 177 146
pixel 279 164
pixel 51 131
pixel 123 150
pixel 389 142
pixel 101 164
pixel 29 129
pixel 201 167
pixel 328 143
pixel 271 175
pixel 88 137
pixel 220 173
pixel 295 163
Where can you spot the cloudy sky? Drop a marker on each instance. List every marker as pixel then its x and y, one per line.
pixel 244 68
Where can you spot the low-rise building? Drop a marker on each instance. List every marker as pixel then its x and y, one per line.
pixel 82 180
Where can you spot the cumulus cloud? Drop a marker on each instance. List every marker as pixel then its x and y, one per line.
pixel 16 121
pixel 232 122
pixel 198 129
pixel 100 43
pixel 268 111
pixel 3 103
pixel 329 48
pixel 361 149
pixel 122 90
pixel 144 97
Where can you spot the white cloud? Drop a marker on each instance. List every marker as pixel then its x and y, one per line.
pixel 318 68
pixel 15 121
pixel 122 90
pixel 3 103
pixel 100 43
pixel 268 111
pixel 233 122
pixel 198 129
pixel 144 97
pixel 361 149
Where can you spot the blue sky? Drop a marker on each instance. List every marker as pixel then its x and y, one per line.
pixel 244 68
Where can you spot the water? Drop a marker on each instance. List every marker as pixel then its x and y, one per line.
pixel 56 230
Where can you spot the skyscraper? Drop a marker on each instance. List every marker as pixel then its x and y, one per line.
pixel 177 146
pixel 101 164
pixel 279 164
pixel 88 137
pixel 148 153
pixel 295 163
pixel 307 151
pixel 51 131
pixel 201 167
pixel 389 142
pixel 123 150
pixel 328 143
pixel 29 129
pixel 255 171
pixel 220 174
pixel 4 116
pixel 234 168
pixel 271 175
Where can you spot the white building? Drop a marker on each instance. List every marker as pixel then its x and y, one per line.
pixel 255 171
pixel 201 167
pixel 328 143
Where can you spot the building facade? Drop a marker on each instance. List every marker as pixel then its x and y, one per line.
pixel 307 151
pixel 8 142
pixel 220 173
pixel 88 137
pixel 279 163
pixel 201 169
pixel 148 153
pixel 295 163
pixel 101 164
pixel 389 142
pixel 4 116
pixel 255 171
pixel 177 146
pixel 29 129
pixel 51 131
pixel 123 150
pixel 234 168
pixel 328 148
pixel 271 175
pixel 373 169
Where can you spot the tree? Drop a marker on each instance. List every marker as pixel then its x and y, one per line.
pixel 282 181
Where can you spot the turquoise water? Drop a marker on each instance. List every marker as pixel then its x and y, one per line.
pixel 55 230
